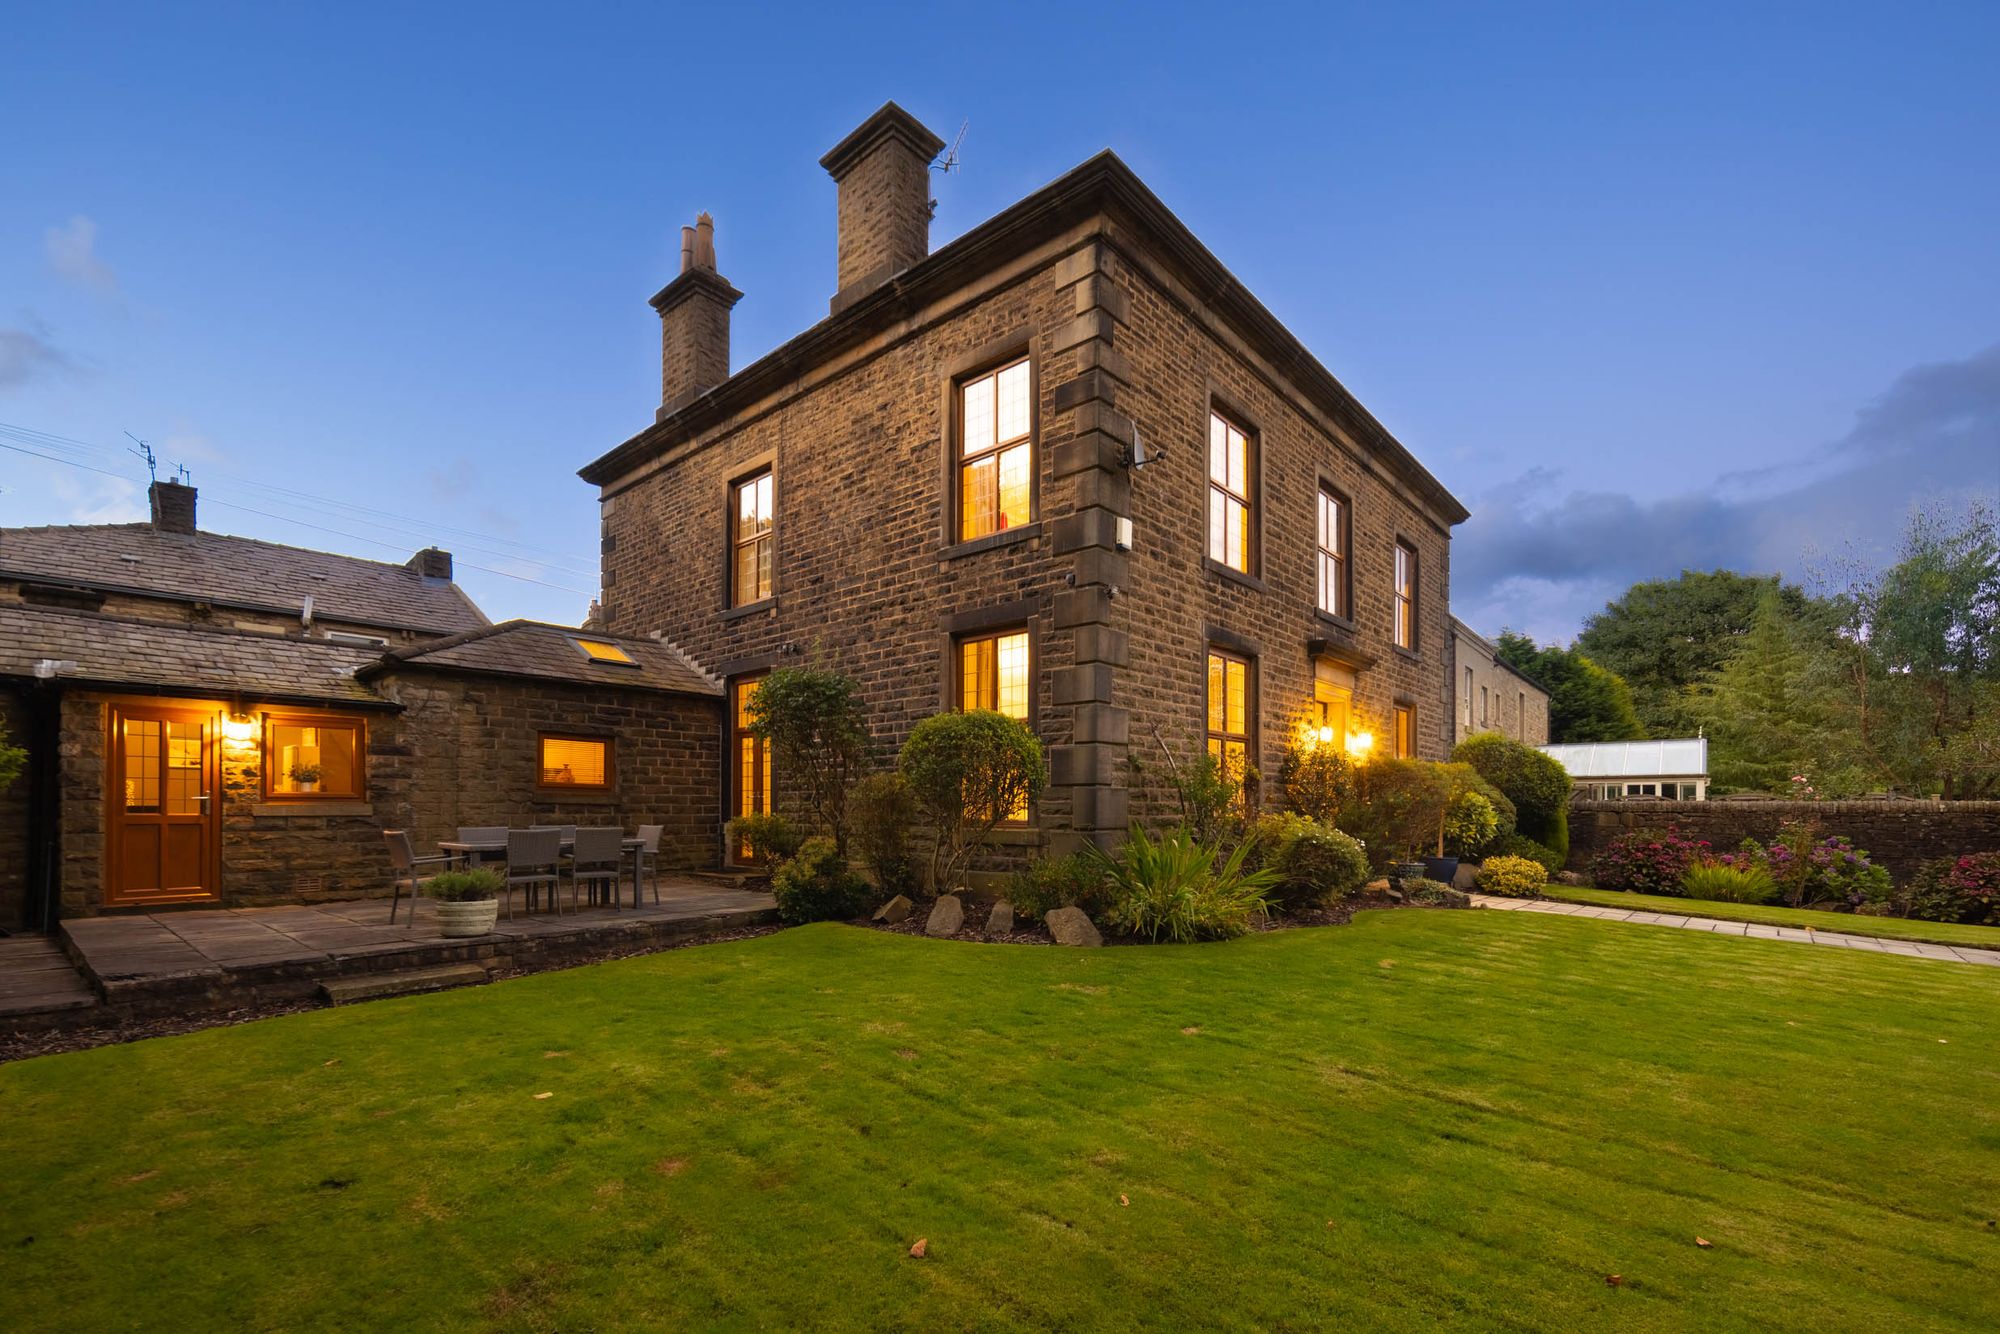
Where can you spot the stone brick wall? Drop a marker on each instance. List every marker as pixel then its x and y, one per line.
pixel 1514 708
pixel 1900 835
pixel 172 611
pixel 13 816
pixel 462 752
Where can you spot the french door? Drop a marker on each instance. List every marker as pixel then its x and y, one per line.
pixel 164 806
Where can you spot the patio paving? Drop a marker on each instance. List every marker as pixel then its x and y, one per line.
pixel 1752 930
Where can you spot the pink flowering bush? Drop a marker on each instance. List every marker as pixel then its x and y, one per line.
pixel 1650 861
pixel 1814 870
pixel 1955 889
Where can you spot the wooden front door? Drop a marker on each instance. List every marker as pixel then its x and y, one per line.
pixel 164 806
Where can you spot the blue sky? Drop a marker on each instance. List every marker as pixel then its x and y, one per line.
pixel 1646 286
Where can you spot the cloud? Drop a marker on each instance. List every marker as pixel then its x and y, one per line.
pixel 1540 562
pixel 26 355
pixel 98 499
pixel 72 252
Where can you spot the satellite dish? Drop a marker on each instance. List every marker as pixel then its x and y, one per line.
pixel 1137 455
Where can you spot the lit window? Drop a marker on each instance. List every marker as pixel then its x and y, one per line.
pixel 576 762
pixel 1406 732
pixel 752 547
pixel 602 650
pixel 309 756
pixel 996 458
pixel 1333 522
pixel 1406 595
pixel 1229 707
pixel 993 674
pixel 750 760
pixel 1228 494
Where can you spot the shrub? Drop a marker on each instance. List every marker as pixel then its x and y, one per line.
pixel 1175 889
pixel 1435 894
pixel 967 772
pixel 468 886
pixel 770 837
pixel 1318 781
pixel 13 759
pixel 1955 889
pixel 1405 807
pixel 1650 861
pixel 1212 800
pixel 1719 881
pixel 1073 881
pixel 1538 786
pixel 1519 845
pixel 817 886
pixel 880 811
pixel 1809 869
pixel 1511 877
pixel 818 730
pixel 1470 825
pixel 1315 863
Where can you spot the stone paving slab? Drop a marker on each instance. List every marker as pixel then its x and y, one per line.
pixel 1804 935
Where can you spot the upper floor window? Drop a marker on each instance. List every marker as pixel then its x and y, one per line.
pixel 993 673
pixel 1229 711
pixel 1333 533
pixel 751 540
pixel 996 460
pixel 1229 498
pixel 1406 595
pixel 575 762
pixel 306 755
pixel 1482 706
pixel 1468 699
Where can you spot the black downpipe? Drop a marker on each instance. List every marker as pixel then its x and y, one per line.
pixel 43 908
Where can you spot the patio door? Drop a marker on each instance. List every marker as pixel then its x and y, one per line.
pixel 749 763
pixel 164 807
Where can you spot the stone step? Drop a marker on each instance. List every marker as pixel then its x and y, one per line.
pixel 410 981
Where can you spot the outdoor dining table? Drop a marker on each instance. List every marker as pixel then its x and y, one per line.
pixel 467 852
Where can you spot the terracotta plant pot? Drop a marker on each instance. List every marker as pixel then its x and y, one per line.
pixel 467 917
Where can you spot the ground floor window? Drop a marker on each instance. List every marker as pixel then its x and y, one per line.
pixel 313 755
pixel 575 762
pixel 1230 701
pixel 1406 732
pixel 749 760
pixel 994 673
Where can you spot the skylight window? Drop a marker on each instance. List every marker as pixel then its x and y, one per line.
pixel 603 650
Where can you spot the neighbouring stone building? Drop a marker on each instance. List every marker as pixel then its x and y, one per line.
pixel 212 719
pixel 1493 697
pixel 1066 467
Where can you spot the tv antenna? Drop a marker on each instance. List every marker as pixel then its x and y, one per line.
pixel 947 161
pixel 145 451
pixel 182 475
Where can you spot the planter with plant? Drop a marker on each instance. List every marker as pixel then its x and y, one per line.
pixel 305 777
pixel 467 901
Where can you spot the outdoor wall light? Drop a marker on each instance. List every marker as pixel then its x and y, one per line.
pixel 239 727
pixel 1359 744
pixel 1325 735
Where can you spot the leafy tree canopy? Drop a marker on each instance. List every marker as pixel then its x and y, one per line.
pixel 1586 701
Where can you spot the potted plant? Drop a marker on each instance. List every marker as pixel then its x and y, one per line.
pixel 466 902
pixel 306 777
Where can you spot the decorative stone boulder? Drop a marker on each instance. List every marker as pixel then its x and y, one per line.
pixel 1462 878
pixel 1072 926
pixel 946 917
pixel 894 911
pixel 1001 923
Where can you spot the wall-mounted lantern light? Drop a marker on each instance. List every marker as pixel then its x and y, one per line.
pixel 1360 743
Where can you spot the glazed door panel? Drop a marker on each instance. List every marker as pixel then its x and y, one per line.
pixel 162 807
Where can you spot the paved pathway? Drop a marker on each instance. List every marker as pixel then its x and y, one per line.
pixel 1755 930
pixel 36 977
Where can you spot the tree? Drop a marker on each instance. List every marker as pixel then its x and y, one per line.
pixel 1758 709
pixel 1536 784
pixel 818 730
pixel 1669 637
pixel 968 772
pixel 1586 702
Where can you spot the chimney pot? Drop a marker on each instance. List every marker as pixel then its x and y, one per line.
pixel 694 322
pixel 883 170
pixel 173 507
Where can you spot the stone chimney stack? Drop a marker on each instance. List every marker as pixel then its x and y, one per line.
pixel 431 563
pixel 694 322
pixel 883 170
pixel 173 507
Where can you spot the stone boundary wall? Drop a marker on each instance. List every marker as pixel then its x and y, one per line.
pixel 1900 835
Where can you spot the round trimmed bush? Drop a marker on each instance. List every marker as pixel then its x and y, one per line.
pixel 817 886
pixel 1520 845
pixel 1511 877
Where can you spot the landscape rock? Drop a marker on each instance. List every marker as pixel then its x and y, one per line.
pixel 1379 885
pixel 1570 878
pixel 1462 878
pixel 1072 926
pixel 946 917
pixel 1001 923
pixel 894 911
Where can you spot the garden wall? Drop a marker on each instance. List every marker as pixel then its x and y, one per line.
pixel 1897 834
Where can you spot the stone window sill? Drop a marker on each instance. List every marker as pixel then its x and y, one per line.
pixel 1016 836
pixel 311 809
pixel 579 797
pixel 1338 622
pixel 750 609
pixel 1231 574
pixel 1412 654
pixel 1005 538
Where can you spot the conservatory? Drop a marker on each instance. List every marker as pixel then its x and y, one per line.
pixel 1675 770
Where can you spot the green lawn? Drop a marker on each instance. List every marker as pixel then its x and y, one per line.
pixel 1847 924
pixel 1424 1116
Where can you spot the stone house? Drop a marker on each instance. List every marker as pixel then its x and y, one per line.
pixel 1066 467
pixel 211 719
pixel 1492 696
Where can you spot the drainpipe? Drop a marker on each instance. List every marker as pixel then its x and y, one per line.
pixel 43 905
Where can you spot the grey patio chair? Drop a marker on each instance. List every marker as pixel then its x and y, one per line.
pixel 534 859
pixel 597 859
pixel 405 865
pixel 648 854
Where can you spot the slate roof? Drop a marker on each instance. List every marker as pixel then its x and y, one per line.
pixel 1680 758
pixel 126 654
pixel 539 651
pixel 236 572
